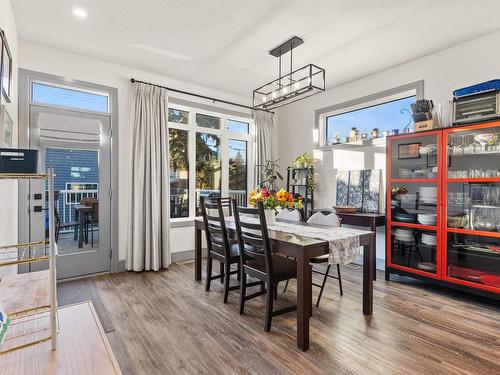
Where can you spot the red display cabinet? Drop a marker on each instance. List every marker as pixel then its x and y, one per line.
pixel 443 206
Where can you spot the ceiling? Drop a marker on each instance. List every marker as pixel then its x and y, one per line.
pixel 224 44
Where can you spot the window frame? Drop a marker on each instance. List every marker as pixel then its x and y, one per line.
pixel 72 88
pixel 225 136
pixel 412 89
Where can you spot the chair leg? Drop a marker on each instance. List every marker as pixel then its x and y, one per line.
pixel 238 275
pixel 286 286
pixel 269 306
pixel 340 279
pixel 323 285
pixel 221 272
pixel 91 234
pixel 243 290
pixel 227 279
pixel 275 290
pixel 209 273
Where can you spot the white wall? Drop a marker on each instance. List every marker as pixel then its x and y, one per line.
pixel 442 72
pixel 8 189
pixel 53 61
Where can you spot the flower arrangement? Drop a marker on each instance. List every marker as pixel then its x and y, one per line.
pixel 272 201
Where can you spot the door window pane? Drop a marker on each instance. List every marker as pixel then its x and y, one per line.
pixel 179 173
pixel 237 126
pixel 179 116
pixel 238 171
pixel 208 167
pixel 206 121
pixel 70 98
pixel 384 117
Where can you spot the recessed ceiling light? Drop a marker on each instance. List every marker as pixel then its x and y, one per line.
pixel 80 13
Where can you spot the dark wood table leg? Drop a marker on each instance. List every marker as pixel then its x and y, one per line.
pixel 368 260
pixel 304 301
pixel 197 254
pixel 373 228
pixel 81 217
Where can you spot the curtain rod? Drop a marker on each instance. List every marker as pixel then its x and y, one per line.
pixel 133 80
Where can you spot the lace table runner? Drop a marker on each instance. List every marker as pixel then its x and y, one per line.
pixel 343 242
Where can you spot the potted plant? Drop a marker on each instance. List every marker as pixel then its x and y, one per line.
pixel 272 201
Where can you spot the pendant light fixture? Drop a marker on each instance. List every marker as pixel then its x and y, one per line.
pixel 295 85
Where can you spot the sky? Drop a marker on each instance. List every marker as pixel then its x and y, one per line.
pixel 386 116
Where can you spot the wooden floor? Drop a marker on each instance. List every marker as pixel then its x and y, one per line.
pixel 165 323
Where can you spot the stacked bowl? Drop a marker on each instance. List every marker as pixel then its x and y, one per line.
pixel 427 194
pixel 427 219
pixel 402 234
pixel 429 239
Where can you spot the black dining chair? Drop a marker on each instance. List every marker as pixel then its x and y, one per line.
pixel 219 246
pixel 258 261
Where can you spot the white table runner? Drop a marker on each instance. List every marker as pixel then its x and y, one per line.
pixel 343 242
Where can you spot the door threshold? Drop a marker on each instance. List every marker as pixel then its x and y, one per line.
pixel 83 276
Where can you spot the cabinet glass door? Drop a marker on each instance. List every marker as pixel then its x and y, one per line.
pixel 472 198
pixel 414 202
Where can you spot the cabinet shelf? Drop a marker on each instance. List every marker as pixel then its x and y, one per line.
pixel 413 225
pixel 479 180
pixel 413 180
pixel 474 232
pixel 23 176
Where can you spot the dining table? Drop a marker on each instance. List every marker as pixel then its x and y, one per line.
pixel 303 242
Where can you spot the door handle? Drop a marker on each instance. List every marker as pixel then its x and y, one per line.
pixel 37 208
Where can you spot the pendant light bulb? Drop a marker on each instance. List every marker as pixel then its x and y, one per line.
pixel 296 85
pixel 274 95
pixel 264 98
pixel 285 90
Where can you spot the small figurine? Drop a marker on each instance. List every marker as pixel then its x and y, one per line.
pixel 353 134
pixel 375 133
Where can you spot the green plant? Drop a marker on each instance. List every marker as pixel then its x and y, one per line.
pixel 304 160
pixel 270 174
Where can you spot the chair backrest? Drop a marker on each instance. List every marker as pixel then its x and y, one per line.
pixel 215 225
pixel 290 214
pixel 253 238
pixel 324 217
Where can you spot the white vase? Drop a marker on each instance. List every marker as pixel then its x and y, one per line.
pixel 270 217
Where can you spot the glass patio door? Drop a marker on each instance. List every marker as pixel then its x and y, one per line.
pixel 77 145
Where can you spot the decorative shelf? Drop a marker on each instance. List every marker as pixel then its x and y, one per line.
pixel 24 253
pixel 23 176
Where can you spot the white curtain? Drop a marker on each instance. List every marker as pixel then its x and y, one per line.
pixel 149 224
pixel 264 141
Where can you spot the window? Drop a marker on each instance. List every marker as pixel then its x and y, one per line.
pixel 238 127
pixel 394 114
pixel 179 173
pixel 218 148
pixel 206 121
pixel 238 170
pixel 68 97
pixel 179 116
pixel 208 167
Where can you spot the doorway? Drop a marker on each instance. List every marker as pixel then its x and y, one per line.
pixel 71 129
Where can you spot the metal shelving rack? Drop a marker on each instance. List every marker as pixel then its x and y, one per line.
pixel 34 319
pixel 300 187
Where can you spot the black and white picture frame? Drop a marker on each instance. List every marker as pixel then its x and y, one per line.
pixel 5 68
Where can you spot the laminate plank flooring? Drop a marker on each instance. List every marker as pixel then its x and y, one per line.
pixel 165 323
